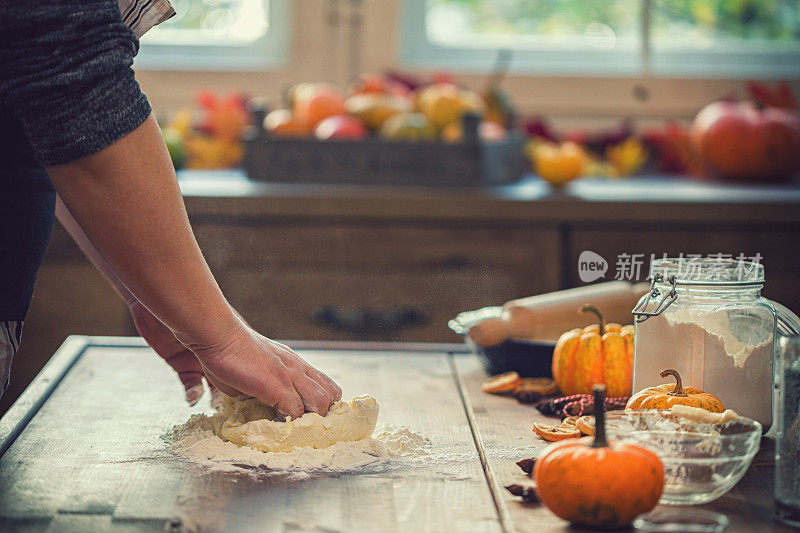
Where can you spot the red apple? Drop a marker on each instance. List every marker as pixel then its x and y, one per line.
pixel 738 141
pixel 340 127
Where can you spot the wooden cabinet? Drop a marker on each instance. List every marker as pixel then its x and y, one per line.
pixel 375 280
pixel 774 245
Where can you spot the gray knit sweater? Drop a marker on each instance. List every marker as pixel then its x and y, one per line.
pixel 65 72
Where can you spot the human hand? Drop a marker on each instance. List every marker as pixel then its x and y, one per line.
pixel 245 362
pixel 161 339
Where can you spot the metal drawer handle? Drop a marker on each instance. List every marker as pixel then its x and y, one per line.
pixel 366 322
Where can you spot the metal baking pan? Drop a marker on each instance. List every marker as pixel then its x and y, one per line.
pixel 529 358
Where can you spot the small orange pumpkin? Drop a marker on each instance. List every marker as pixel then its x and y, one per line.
pixel 600 353
pixel 594 482
pixel 661 397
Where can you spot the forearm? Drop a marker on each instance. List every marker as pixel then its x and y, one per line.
pixel 80 238
pixel 126 199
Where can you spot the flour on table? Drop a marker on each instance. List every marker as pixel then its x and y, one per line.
pixel 246 435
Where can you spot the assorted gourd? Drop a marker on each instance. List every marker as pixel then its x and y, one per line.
pixel 603 353
pixel 592 481
pixel 596 482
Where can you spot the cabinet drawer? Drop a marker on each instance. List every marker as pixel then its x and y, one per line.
pixel 287 304
pixel 354 245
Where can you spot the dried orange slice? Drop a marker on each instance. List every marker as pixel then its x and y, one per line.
pixel 585 424
pixel 570 421
pixel 503 383
pixel 556 433
pixel 543 386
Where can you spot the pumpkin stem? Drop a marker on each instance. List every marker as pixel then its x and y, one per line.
pixel 589 308
pixel 678 390
pixel 599 391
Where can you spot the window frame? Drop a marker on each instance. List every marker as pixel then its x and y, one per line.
pixel 416 50
pixel 267 52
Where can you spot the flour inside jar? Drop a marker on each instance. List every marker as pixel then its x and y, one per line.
pixel 720 351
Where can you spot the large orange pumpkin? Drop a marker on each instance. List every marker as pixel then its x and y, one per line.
pixel 739 142
pixel 600 353
pixel 599 483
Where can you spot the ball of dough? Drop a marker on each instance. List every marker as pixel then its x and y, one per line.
pixel 248 422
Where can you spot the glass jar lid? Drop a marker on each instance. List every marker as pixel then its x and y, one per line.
pixel 696 273
pixel 692 270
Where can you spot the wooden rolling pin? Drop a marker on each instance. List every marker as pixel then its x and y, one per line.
pixel 547 316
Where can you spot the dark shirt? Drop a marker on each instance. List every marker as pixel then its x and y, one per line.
pixel 67 90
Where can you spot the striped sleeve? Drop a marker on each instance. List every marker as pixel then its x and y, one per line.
pixel 141 15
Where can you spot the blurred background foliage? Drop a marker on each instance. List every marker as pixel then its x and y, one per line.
pixel 702 23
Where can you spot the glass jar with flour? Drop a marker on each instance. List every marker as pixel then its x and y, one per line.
pixel 706 318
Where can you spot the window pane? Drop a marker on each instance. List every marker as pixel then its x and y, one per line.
pixel 212 22
pixel 534 24
pixel 726 25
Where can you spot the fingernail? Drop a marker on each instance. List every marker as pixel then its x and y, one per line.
pixel 194 393
pixel 216 398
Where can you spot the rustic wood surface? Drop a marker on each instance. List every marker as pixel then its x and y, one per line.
pixel 93 459
pixel 504 429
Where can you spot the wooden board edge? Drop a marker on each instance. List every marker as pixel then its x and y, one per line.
pixel 36 394
pixel 115 342
pixel 359 346
pixel 506 523
pixel 355 346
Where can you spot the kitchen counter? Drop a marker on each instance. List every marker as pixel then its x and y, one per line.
pixel 229 192
pixel 81 450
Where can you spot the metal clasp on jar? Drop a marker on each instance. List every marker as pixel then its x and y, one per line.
pixel 669 297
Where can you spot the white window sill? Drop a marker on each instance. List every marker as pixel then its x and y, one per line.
pixel 208 61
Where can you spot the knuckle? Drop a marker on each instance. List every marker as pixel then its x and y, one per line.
pixel 272 396
pixel 327 399
pixel 324 400
pixel 295 375
pixel 284 376
pixel 314 400
pixel 332 388
pixel 277 391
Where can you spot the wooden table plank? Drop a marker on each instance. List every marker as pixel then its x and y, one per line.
pixel 504 429
pixel 39 390
pixel 93 458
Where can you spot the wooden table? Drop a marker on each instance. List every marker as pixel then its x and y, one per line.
pixel 81 450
